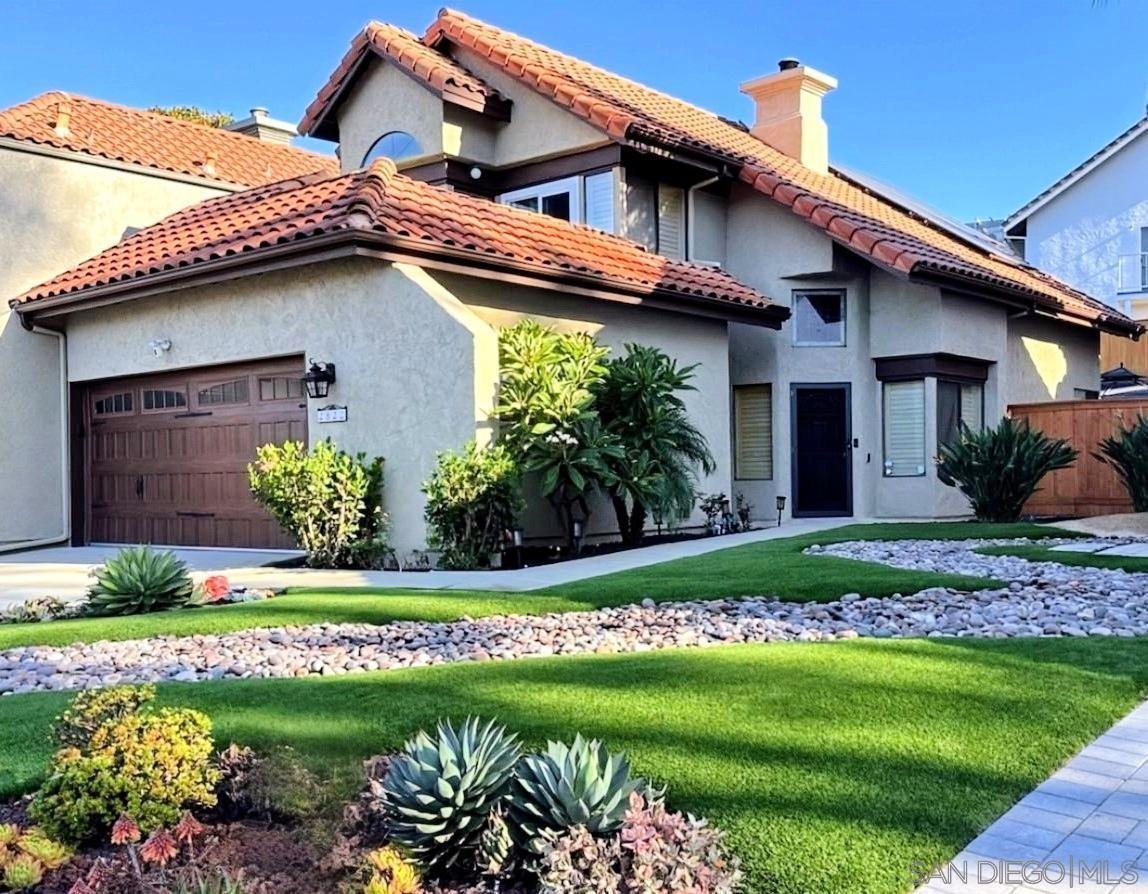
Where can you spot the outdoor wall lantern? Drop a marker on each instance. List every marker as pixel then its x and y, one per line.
pixel 780 508
pixel 319 379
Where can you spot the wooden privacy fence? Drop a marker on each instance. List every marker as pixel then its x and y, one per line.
pixel 1090 487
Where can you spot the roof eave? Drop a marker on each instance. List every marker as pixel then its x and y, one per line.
pixel 1024 300
pixel 350 242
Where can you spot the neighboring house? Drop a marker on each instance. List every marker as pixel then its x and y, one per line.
pixel 75 175
pixel 1090 229
pixel 840 329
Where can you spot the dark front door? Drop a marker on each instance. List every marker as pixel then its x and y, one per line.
pixel 822 450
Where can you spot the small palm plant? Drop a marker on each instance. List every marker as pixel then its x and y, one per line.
pixel 1127 453
pixel 138 580
pixel 998 469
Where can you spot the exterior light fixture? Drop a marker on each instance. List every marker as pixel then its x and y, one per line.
pixel 319 379
pixel 578 530
pixel 475 173
pixel 780 508
pixel 159 346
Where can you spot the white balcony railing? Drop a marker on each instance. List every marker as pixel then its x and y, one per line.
pixel 1133 273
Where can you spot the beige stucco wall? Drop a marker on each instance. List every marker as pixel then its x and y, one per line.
pixel 1048 360
pixel 538 127
pixel 385 99
pixel 405 359
pixel 54 212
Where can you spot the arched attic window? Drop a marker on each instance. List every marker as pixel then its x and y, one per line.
pixel 395 145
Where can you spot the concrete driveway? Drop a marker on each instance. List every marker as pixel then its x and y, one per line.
pixel 64 571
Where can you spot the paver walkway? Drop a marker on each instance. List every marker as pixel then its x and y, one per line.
pixel 1137 548
pixel 64 571
pixel 1083 830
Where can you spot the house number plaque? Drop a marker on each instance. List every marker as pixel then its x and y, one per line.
pixel 331 413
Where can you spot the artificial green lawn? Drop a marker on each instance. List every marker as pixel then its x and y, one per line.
pixel 771 567
pixel 832 766
pixel 1085 560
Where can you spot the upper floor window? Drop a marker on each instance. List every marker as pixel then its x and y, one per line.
pixel 396 145
pixel 586 198
pixel 819 317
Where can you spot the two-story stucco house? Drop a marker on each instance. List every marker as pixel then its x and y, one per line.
pixel 840 334
pixel 1090 229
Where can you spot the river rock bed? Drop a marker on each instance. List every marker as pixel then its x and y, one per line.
pixel 1041 599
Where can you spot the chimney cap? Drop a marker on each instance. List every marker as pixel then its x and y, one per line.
pixel 789 62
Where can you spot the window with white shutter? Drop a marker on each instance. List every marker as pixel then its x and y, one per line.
pixel 753 432
pixel 599 198
pixel 904 425
pixel 671 221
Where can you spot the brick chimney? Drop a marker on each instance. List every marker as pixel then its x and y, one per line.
pixel 788 118
pixel 263 127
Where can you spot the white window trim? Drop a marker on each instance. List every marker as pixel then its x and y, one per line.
pixel 841 294
pixel 571 185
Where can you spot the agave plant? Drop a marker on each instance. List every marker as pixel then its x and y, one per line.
pixel 998 469
pixel 440 791
pixel 138 580
pixel 496 845
pixel 1127 453
pixel 581 784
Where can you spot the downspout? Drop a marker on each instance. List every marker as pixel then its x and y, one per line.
pixel 65 455
pixel 690 214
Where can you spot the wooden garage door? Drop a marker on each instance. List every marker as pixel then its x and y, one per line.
pixel 166 456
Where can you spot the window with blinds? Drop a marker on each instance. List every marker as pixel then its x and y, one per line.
pixel 904 425
pixel 958 404
pixel 671 221
pixel 753 432
pixel 599 198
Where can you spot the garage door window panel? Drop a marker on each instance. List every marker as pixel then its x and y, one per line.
pixel 121 403
pixel 162 400
pixel 280 388
pixel 235 392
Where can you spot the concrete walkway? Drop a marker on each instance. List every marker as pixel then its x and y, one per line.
pixel 1083 830
pixel 64 571
pixel 1138 548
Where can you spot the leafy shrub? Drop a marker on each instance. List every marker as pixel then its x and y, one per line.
pixel 327 499
pixel 667 851
pixel 638 401
pixel 581 784
pixel 440 791
pixel 1127 453
pixel 545 415
pixel 25 855
pixel 39 608
pixel 998 469
pixel 137 580
pixel 576 862
pixel 472 498
pixel 94 708
pixel 147 764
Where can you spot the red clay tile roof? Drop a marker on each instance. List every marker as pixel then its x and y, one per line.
pixel 379 206
pixel 438 72
pixel 120 133
pixel 860 219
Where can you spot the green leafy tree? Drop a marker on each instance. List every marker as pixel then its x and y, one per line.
pixel 546 418
pixel 998 469
pixel 639 402
pixel 1127 453
pixel 195 115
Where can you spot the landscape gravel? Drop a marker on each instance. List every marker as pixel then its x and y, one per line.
pixel 1040 599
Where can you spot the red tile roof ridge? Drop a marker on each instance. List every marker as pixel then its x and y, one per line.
pixel 153 140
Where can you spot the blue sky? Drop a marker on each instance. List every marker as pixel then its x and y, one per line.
pixel 973 106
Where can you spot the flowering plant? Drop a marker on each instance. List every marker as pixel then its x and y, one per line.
pixel 213 589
